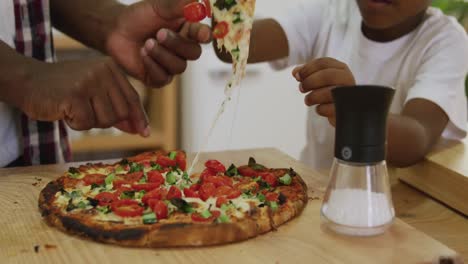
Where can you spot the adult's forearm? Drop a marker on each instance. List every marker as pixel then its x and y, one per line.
pixel 16 70
pixel 88 21
pixel 408 141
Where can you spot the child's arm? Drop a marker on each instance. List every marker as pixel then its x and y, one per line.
pixel 86 94
pixel 268 43
pixel 411 134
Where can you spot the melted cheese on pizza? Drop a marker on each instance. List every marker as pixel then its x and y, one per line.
pixel 80 198
pixel 239 15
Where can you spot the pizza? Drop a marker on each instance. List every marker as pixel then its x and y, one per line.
pixel 150 201
pixel 233 21
pixel 232 26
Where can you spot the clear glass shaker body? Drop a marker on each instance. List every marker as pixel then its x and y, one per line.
pixel 358 200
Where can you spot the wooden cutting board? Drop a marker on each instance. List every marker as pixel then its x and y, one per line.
pixel 299 241
pixel 442 175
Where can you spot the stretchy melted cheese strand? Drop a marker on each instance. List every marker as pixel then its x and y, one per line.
pixel 236 17
pixel 239 16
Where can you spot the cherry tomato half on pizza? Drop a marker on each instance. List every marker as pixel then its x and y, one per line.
pixel 159 194
pixel 221 30
pixel 228 192
pixel 127 208
pixel 196 217
pixel 191 193
pixel 159 208
pixel 181 160
pixel 156 177
pixel 221 200
pixel 106 198
pixel 94 179
pixel 215 166
pixel 174 192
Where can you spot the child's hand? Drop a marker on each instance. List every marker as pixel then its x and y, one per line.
pixel 318 78
pixel 86 94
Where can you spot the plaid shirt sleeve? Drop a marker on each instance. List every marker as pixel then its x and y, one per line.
pixel 43 142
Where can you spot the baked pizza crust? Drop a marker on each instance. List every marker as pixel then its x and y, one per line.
pixel 180 233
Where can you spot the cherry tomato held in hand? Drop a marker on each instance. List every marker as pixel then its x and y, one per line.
pixel 221 30
pixel 194 12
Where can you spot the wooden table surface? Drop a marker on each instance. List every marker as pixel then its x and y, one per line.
pixel 443 174
pixel 430 216
pixel 299 241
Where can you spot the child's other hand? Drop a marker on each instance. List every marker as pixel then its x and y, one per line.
pixel 317 78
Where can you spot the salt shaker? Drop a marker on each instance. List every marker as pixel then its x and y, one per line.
pixel 358 200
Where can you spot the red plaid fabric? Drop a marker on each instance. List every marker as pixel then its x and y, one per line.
pixel 43 142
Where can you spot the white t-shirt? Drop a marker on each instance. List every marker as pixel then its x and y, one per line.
pixel 9 125
pixel 431 63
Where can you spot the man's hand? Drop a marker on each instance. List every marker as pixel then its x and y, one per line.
pixel 86 94
pixel 317 78
pixel 145 40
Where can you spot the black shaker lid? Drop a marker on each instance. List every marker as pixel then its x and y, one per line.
pixel 361 122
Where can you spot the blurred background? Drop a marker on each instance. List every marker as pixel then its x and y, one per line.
pixel 267 110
